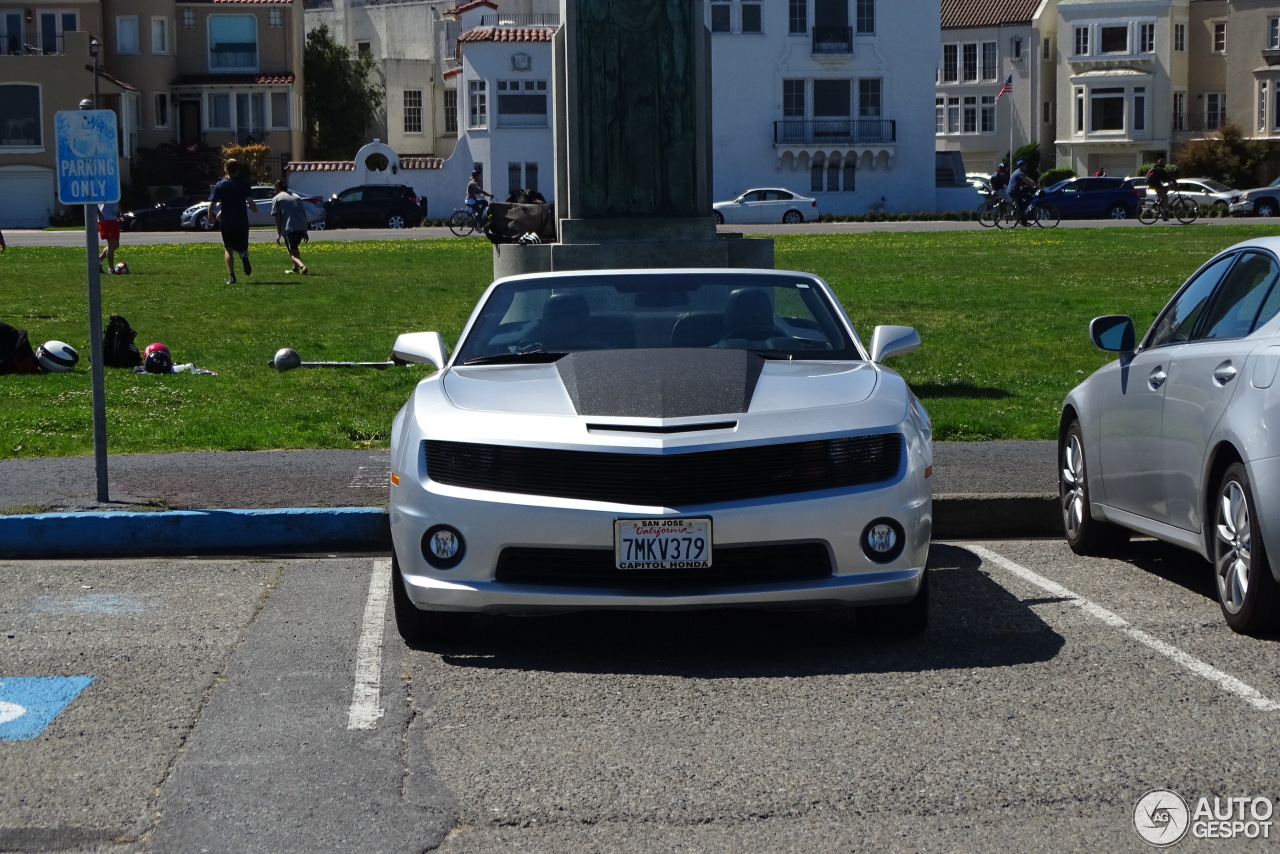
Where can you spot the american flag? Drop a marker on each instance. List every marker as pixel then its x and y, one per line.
pixel 1006 88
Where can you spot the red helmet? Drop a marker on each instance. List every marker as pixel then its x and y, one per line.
pixel 152 348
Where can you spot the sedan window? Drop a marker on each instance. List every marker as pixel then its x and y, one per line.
pixel 1177 322
pixel 1235 309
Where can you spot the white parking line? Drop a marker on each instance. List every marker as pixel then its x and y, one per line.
pixel 366 698
pixel 1227 682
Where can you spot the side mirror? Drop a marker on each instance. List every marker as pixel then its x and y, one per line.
pixel 889 341
pixel 422 347
pixel 1113 333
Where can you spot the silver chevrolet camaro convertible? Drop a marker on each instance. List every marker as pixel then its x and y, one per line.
pixel 659 439
pixel 1178 439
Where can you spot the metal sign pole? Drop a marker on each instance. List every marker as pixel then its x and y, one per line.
pixel 97 370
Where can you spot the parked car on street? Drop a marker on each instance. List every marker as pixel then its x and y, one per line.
pixel 1176 440
pixel 1094 198
pixel 767 205
pixel 659 439
pixel 166 216
pixel 374 206
pixel 1205 192
pixel 197 216
pixel 1264 201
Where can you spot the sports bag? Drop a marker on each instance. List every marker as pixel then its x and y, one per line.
pixel 16 355
pixel 118 349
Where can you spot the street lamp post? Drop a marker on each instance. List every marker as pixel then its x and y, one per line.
pixel 94 47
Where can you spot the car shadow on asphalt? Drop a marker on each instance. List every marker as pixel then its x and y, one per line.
pixel 974 623
pixel 1172 563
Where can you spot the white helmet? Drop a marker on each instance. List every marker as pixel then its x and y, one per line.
pixel 57 357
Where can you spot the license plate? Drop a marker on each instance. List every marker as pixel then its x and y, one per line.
pixel 662 543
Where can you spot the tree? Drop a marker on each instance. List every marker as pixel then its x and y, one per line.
pixel 1230 158
pixel 341 97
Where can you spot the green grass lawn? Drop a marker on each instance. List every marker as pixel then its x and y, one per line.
pixel 1003 317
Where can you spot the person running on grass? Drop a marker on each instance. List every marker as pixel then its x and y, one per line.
pixel 229 206
pixel 291 223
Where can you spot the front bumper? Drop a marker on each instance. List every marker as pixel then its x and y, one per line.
pixel 490 522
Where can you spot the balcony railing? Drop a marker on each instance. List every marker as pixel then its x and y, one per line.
pixel 532 19
pixel 833 40
pixel 833 131
pixel 44 46
pixel 1198 122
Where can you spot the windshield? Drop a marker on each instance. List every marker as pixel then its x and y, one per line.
pixel 1216 186
pixel 775 315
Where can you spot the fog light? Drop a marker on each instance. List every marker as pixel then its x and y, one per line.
pixel 883 540
pixel 443 547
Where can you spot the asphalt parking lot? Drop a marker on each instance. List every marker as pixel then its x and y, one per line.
pixel 267 705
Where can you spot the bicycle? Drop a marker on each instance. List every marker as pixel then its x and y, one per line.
pixel 985 213
pixel 1036 212
pixel 1182 208
pixel 464 222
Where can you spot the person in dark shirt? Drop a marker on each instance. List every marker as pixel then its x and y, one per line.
pixel 229 206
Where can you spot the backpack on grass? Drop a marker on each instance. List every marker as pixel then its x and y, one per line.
pixel 118 349
pixel 16 355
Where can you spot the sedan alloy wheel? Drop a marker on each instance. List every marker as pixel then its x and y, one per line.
pixel 1085 535
pixel 1246 589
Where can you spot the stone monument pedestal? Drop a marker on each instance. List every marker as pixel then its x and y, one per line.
pixel 611 244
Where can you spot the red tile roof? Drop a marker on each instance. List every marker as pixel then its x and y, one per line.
pixel 406 163
pixel 507 34
pixel 233 79
pixel 957 14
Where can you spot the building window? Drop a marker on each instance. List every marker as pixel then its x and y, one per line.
pixel 1081 41
pixel 1016 48
pixel 950 63
pixel 869 98
pixel 969 62
pixel 969 114
pixel 798 17
pixel 939 115
pixel 280 113
pixel 127 34
pixel 233 43
pixel 477 104
pixel 1275 106
pixel 1262 105
pixel 1106 109
pixel 20 125
pixel 160 110
pixel 1113 39
pixel 751 16
pixel 988 114
pixel 11 41
pixel 1046 112
pixel 522 103
pixel 159 35
pixel 451 111
pixel 953 115
pixel 866 17
pixel 1146 38
pixel 850 174
pixel 1046 48
pixel 1179 111
pixel 218 111
pixel 275 18
pixel 251 117
pixel 1180 38
pixel 989 61
pixel 815 178
pixel 188 19
pixel 1220 37
pixel 1215 110
pixel 364 49
pixel 793 104
pixel 720 16
pixel 1139 109
pixel 413 111
pixel 52 26
pixel 1273 33
pixel 1079 111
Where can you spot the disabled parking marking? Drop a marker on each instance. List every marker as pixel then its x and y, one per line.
pixel 28 704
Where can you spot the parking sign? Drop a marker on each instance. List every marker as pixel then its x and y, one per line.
pixel 88 157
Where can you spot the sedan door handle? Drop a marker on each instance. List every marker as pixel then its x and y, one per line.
pixel 1224 373
pixel 1157 378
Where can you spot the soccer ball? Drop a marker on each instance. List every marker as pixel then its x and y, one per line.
pixel 121 269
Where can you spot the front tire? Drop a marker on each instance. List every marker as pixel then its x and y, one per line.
pixel 719 217
pixel 417 626
pixel 1085 535
pixel 462 224
pixel 1047 215
pixel 1186 211
pixel 1247 591
pixel 202 222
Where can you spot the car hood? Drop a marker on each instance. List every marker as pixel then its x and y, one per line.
pixel 673 383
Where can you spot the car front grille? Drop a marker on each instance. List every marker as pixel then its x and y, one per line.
pixel 731 565
pixel 669 480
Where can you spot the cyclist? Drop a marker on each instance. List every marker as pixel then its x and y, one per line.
pixel 1159 180
pixel 1000 183
pixel 474 193
pixel 1022 187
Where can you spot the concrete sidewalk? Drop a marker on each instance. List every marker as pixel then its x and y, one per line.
pixel 326 501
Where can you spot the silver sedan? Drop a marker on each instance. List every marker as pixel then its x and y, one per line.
pixel 1180 438
pixel 659 439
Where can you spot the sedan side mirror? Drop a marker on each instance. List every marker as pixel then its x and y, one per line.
pixel 1113 333
pixel 889 341
pixel 422 347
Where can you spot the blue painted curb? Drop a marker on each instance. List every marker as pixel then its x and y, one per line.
pixel 187 532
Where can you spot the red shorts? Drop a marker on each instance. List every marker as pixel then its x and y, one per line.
pixel 109 229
